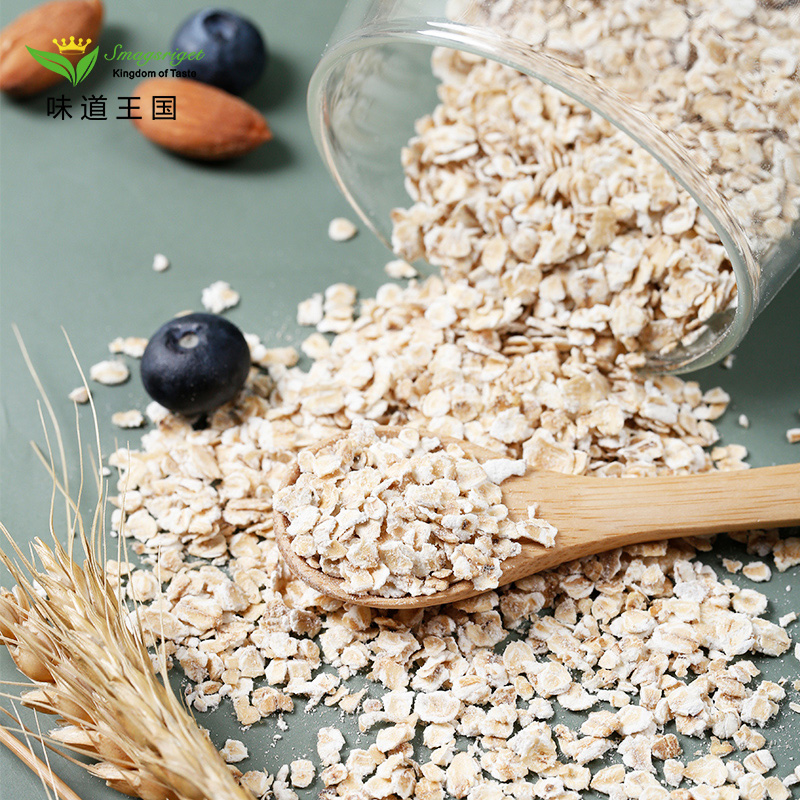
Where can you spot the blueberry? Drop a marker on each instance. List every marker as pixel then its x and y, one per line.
pixel 194 364
pixel 234 53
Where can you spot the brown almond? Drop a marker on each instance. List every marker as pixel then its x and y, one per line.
pixel 209 124
pixel 20 74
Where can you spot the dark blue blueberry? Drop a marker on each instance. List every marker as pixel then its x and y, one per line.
pixel 234 52
pixel 194 364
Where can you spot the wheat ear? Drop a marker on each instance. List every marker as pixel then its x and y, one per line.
pixel 70 633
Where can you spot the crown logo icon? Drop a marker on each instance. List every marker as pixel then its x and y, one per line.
pixel 73 48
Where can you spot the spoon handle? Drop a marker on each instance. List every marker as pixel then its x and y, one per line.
pixel 631 510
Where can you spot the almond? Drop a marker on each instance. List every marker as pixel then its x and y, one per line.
pixel 209 124
pixel 20 74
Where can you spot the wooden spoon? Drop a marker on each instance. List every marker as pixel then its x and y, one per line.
pixel 595 514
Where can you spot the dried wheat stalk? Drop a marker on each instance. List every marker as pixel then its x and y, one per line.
pixel 42 768
pixel 67 630
pixel 95 673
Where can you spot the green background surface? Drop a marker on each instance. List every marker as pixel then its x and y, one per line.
pixel 86 205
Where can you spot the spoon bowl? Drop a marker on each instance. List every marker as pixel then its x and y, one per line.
pixel 593 515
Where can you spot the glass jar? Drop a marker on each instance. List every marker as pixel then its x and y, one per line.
pixel 661 140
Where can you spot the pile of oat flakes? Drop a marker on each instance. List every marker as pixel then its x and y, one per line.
pixel 569 224
pixel 404 514
pixel 560 264
pixel 636 640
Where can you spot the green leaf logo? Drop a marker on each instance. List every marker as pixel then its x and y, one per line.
pixel 85 65
pixel 61 65
pixel 55 63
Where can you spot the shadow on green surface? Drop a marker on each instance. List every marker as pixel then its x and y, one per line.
pixel 276 85
pixel 771 353
pixel 272 156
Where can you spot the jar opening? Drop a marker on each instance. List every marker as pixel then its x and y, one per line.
pixel 369 91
